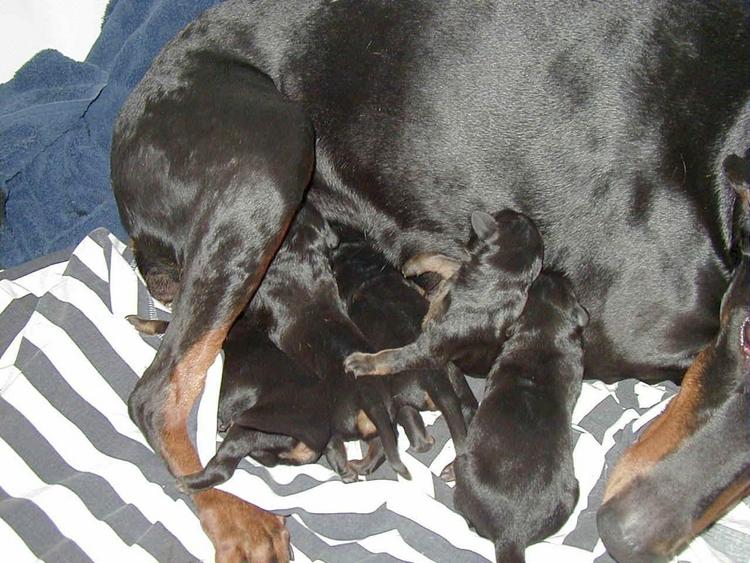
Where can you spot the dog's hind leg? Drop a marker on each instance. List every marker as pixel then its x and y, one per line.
pixel 216 285
pixel 233 238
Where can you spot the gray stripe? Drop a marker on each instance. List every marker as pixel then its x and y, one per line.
pixel 349 527
pixel 600 418
pixel 91 342
pixel 80 271
pixel 37 531
pixel 98 429
pixel 14 318
pixel 731 543
pixel 93 490
pixel 585 534
pixel 33 265
pixel 625 393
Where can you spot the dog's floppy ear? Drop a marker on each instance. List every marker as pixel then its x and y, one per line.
pixel 484 224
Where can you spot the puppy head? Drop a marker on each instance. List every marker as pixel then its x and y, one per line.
pixel 508 241
pixel 552 306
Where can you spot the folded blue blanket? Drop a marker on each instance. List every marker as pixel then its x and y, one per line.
pixel 56 119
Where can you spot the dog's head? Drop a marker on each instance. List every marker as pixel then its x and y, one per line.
pixel 692 463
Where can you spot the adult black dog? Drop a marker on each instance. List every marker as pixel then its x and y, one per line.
pixel 609 124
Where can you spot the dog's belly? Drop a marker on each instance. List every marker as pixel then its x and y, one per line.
pixel 562 129
pixel 570 112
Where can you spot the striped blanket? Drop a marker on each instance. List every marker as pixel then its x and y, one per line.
pixel 78 482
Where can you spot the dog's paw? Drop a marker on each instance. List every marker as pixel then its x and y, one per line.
pixel 359 364
pixel 241 531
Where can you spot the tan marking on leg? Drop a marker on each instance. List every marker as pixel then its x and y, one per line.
pixel 301 453
pixel 185 386
pixel 440 264
pixel 365 426
pixel 665 433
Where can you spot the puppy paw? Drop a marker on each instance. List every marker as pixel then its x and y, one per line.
pixel 349 474
pixel 448 474
pixel 425 445
pixel 359 364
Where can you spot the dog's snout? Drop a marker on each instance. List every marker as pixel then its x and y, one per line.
pixel 625 534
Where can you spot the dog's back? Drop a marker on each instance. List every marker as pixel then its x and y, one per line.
pixel 515 481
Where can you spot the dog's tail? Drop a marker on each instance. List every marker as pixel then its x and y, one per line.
pixel 509 552
pixel 372 403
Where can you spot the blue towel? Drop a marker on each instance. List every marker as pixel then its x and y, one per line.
pixel 56 119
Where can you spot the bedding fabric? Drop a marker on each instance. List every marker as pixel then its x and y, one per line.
pixel 79 482
pixel 56 120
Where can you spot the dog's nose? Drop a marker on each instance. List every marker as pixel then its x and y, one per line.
pixel 623 536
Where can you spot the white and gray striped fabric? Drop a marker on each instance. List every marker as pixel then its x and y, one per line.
pixel 78 482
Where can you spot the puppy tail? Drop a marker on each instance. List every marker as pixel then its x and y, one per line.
pixel 509 552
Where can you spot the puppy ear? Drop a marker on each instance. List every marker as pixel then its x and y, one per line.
pixel 746 337
pixel 484 224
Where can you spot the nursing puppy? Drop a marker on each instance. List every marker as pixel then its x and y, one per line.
pixel 388 310
pixel 514 480
pixel 481 296
pixel 269 405
pixel 299 308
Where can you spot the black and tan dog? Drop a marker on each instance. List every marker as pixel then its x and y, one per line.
pixel 515 482
pixel 606 122
pixel 389 311
pixel 479 299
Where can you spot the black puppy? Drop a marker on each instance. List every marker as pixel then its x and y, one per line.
pixel 514 481
pixel 388 310
pixel 470 312
pixel 271 407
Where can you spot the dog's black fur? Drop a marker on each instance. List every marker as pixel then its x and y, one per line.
pixel 607 123
pixel 299 306
pixel 467 319
pixel 270 407
pixel 514 480
pixel 389 311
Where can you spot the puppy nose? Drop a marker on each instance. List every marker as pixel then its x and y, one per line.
pixel 625 539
